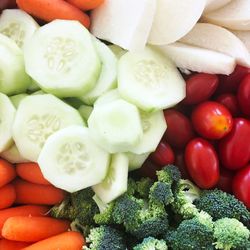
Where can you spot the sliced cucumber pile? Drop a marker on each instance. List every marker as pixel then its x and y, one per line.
pixel 135 160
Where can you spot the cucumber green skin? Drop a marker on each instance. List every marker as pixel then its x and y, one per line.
pixel 14 79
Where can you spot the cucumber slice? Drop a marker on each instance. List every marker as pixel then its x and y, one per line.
pixel 33 87
pixel 110 96
pixel 38 117
pixel 118 51
pixel 116 126
pixel 85 111
pixel 13 78
pixel 62 59
pixel 7 116
pixel 70 160
pixel 154 126
pixel 136 161
pixel 17 25
pixel 16 99
pixel 115 182
pixel 150 80
pixel 74 102
pixel 38 92
pixel 108 76
pixel 12 155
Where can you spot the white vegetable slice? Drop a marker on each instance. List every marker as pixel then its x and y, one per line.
pixel 136 161
pixel 244 36
pixel 17 25
pixel 70 160
pixel 234 15
pixel 124 23
pixel 115 182
pixel 173 19
pixel 115 126
pixel 109 96
pixel 150 80
pixel 210 36
pixel 212 5
pixel 118 51
pixel 198 59
pixel 13 155
pixel 85 111
pixel 16 99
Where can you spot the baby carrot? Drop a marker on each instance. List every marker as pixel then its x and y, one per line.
pixel 86 4
pixel 8 196
pixel 28 210
pixel 30 193
pixel 49 10
pixel 7 172
pixel 33 229
pixel 30 171
pixel 64 241
pixel 12 245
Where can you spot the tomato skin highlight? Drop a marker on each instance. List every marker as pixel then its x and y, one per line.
pixel 241 185
pixel 200 87
pixel 234 149
pixel 202 163
pixel 211 120
pixel 225 180
pixel 243 95
pixel 179 131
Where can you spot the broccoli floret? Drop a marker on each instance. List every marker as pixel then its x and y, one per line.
pixel 105 238
pixel 191 234
pixel 230 233
pixel 185 194
pixel 170 174
pixel 220 204
pixel 151 243
pixel 142 187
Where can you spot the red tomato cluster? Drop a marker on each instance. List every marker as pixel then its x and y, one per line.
pixel 208 134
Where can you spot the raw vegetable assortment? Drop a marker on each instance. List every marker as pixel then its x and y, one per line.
pixel 138 144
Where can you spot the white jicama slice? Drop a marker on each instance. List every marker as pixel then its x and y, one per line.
pixel 174 19
pixel 198 59
pixel 234 15
pixel 244 36
pixel 210 36
pixel 212 5
pixel 70 160
pixel 115 21
pixel 116 180
pixel 13 155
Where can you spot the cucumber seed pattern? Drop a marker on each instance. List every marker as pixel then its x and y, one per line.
pixel 149 72
pixel 72 157
pixel 39 128
pixel 15 32
pixel 59 53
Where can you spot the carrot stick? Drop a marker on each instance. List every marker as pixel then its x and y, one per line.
pixel 8 196
pixel 28 210
pixel 12 245
pixel 7 172
pixel 49 10
pixel 30 193
pixel 33 229
pixel 86 4
pixel 30 171
pixel 64 241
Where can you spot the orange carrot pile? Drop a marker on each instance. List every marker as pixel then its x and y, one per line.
pixel 7 196
pixel 7 172
pixel 49 10
pixel 12 245
pixel 86 4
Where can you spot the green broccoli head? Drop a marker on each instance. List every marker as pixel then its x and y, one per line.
pixel 230 233
pixel 191 234
pixel 170 174
pixel 142 187
pixel 151 243
pixel 105 237
pixel 185 194
pixel 220 204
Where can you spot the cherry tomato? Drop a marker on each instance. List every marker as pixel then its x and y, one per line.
pixel 241 185
pixel 180 163
pixel 230 102
pixel 163 154
pixel 212 120
pixel 202 163
pixel 225 180
pixel 179 131
pixel 200 87
pixel 234 149
pixel 231 83
pixel 244 95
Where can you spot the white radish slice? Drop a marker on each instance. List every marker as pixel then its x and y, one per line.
pixel 124 23
pixel 244 36
pixel 215 4
pixel 234 15
pixel 210 36
pixel 198 59
pixel 174 19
